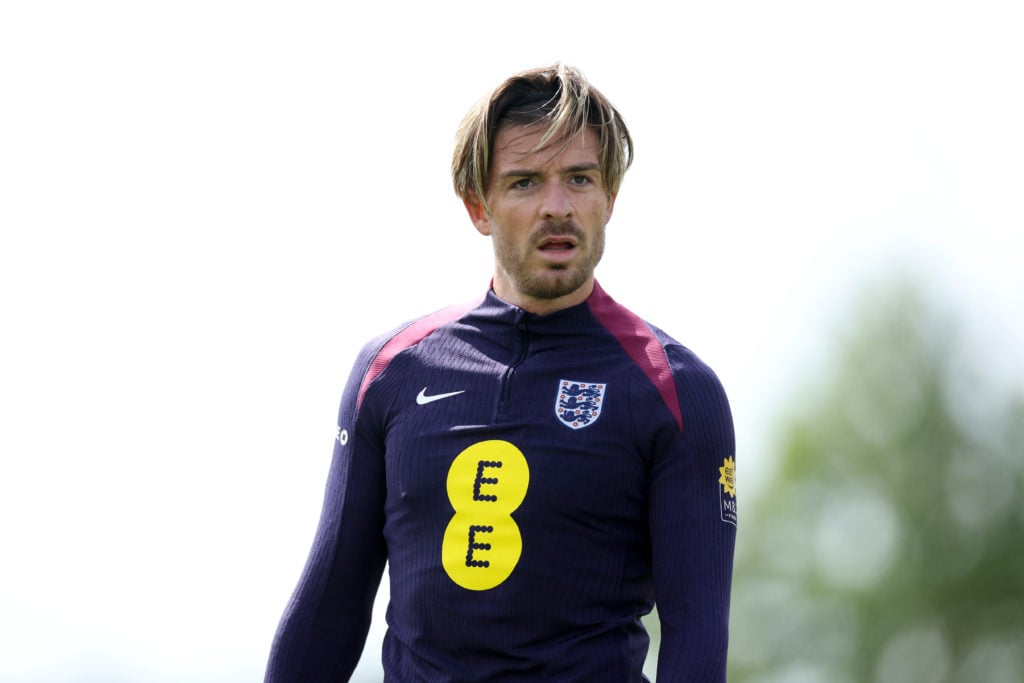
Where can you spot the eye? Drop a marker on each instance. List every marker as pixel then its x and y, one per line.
pixel 580 180
pixel 522 183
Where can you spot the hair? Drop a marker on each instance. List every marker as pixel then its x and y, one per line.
pixel 556 95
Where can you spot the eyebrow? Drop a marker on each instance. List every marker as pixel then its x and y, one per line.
pixel 525 172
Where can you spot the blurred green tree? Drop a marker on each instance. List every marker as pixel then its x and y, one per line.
pixel 888 545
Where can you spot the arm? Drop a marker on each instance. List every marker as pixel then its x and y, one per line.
pixel 693 529
pixel 323 630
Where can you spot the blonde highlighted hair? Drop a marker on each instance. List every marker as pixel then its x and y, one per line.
pixel 558 96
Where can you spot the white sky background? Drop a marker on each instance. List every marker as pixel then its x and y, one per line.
pixel 207 207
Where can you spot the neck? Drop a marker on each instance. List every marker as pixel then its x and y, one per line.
pixel 541 306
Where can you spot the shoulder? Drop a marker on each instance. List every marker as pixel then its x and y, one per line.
pixel 377 354
pixel 644 344
pixel 685 383
pixel 703 402
pixel 685 363
pixel 641 339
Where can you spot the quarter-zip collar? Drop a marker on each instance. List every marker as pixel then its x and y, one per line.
pixel 508 327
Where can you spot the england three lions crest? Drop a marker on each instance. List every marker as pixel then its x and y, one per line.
pixel 578 404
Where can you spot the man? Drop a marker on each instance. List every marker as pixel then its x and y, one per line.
pixel 536 468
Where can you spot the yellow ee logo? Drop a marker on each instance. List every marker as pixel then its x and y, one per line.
pixel 482 543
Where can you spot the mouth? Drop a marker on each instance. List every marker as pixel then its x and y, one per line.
pixel 557 243
pixel 557 250
pixel 555 246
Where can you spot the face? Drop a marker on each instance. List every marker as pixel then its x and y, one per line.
pixel 546 218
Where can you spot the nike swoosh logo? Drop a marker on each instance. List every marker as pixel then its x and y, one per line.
pixel 422 399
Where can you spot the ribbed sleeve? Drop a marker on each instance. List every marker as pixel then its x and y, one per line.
pixel 693 538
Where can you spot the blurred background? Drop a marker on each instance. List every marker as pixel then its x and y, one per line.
pixel 206 208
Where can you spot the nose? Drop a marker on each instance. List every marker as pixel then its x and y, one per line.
pixel 556 201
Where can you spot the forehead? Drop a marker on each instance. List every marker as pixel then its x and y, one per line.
pixel 516 146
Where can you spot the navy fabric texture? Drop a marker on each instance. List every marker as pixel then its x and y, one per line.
pixel 535 484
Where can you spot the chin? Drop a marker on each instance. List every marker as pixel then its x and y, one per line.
pixel 554 284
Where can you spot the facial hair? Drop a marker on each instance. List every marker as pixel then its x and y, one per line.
pixel 550 281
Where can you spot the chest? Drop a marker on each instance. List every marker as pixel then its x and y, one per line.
pixel 555 434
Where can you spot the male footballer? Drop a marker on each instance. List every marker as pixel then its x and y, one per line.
pixel 538 468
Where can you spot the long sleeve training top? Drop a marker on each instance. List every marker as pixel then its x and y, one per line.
pixel 535 484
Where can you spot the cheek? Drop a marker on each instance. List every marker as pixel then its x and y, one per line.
pixel 510 223
pixel 600 213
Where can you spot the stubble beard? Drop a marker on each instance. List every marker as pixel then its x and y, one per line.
pixel 551 281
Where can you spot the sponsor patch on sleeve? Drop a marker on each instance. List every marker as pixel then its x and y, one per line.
pixel 727 490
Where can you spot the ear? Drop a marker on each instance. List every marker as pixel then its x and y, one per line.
pixel 478 214
pixel 611 206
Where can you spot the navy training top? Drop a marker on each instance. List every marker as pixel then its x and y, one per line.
pixel 535 484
